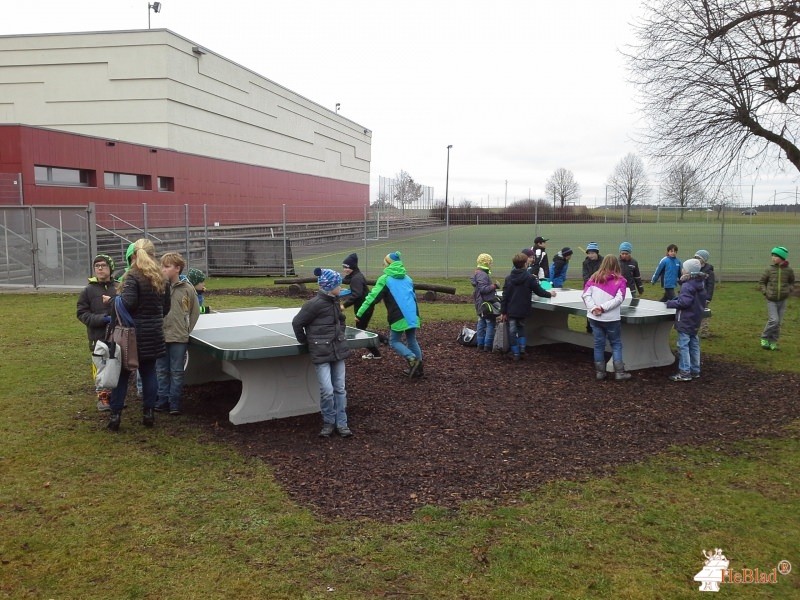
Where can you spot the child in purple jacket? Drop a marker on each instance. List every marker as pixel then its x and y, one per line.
pixel 690 305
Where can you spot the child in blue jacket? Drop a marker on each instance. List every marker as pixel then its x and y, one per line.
pixel 668 271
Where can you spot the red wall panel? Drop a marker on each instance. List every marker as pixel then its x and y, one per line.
pixel 234 192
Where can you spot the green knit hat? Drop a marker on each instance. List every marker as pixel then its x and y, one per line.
pixel 780 251
pixel 104 258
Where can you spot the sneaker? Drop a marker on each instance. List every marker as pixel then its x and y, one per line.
pixel 680 377
pixel 371 356
pixel 773 346
pixel 327 430
pixel 516 357
pixel 765 344
pixel 413 365
pixel 344 431
pixel 161 408
pixel 104 401
pixel 174 411
pixel 695 375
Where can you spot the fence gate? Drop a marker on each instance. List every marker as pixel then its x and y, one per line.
pixel 47 246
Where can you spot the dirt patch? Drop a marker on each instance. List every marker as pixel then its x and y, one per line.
pixel 478 425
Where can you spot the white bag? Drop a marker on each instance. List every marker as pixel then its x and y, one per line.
pixel 108 367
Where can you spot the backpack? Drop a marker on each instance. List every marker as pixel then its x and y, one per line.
pixel 467 337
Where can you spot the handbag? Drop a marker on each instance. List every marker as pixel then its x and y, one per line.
pixel 467 337
pixel 490 308
pixel 501 338
pixel 108 367
pixel 124 336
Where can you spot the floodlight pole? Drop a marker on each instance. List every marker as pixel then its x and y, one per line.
pixel 447 216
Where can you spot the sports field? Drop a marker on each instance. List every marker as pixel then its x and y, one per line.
pixel 740 251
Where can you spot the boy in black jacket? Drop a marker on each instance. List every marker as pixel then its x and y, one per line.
pixel 358 291
pixel 94 311
pixel 516 302
pixel 320 325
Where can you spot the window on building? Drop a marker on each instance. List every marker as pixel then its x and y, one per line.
pixel 45 175
pixel 166 184
pixel 126 181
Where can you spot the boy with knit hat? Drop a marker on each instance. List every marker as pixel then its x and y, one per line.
pixel 198 279
pixel 630 269
pixel 776 284
pixel 94 311
pixel 396 289
pixel 711 281
pixel 487 305
pixel 558 270
pixel 320 324
pixel 358 292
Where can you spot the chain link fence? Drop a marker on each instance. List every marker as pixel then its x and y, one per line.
pixel 51 246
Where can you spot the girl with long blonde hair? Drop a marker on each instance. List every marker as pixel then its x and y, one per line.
pixel 144 296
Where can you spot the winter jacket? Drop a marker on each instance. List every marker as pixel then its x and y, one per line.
pixel 608 295
pixel 92 310
pixel 668 271
pixel 320 324
pixel 358 289
pixel 558 271
pixel 690 303
pixel 148 308
pixel 777 281
pixel 711 280
pixel 540 266
pixel 590 267
pixel 630 270
pixel 483 289
pixel 183 313
pixel 396 289
pixel 517 288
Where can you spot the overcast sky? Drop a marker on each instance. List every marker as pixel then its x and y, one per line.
pixel 518 87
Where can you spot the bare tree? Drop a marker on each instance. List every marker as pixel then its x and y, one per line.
pixel 562 187
pixel 718 81
pixel 406 190
pixel 629 181
pixel 683 187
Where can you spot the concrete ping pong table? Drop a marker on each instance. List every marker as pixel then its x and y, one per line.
pixel 258 347
pixel 645 328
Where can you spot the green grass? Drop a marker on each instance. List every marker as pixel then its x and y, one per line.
pixel 740 250
pixel 167 513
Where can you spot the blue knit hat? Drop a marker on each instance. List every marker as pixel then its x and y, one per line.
pixel 626 247
pixel 392 257
pixel 327 279
pixel 593 247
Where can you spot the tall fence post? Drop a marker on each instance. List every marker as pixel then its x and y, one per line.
pixel 721 245
pixel 144 217
pixel 205 233
pixel 186 230
pixel 285 258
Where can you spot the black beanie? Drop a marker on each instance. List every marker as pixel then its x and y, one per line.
pixel 351 262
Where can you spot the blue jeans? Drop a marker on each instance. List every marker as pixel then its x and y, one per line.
pixel 485 330
pixel 169 370
pixel 147 369
pixel 408 350
pixel 516 331
pixel 611 331
pixel 332 394
pixel 688 353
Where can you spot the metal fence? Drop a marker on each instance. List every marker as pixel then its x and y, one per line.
pixel 53 246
